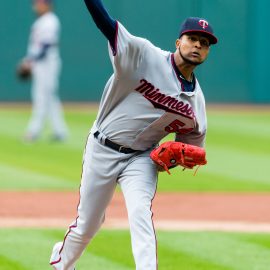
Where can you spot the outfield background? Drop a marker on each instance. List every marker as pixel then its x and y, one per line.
pixel 236 71
pixel 238 153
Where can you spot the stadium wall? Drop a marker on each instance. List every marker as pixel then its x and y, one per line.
pixel 236 70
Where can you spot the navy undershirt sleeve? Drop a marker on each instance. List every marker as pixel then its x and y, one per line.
pixel 42 54
pixel 102 19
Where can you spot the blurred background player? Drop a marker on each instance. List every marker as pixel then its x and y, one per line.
pixel 43 63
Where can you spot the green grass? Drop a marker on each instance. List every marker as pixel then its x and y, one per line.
pixel 29 249
pixel 238 153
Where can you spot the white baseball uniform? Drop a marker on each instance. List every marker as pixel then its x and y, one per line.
pixel 142 102
pixel 45 70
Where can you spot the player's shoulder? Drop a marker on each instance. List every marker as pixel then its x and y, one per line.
pixel 53 18
pixel 156 49
pixel 50 19
pixel 140 41
pixel 125 36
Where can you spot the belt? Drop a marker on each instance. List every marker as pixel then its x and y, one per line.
pixel 115 146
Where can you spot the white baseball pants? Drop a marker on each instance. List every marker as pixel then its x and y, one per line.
pixel 103 168
pixel 45 101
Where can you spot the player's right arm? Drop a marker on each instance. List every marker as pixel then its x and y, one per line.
pixel 106 24
pixel 126 51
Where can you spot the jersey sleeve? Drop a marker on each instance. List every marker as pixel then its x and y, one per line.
pixel 198 135
pixel 127 52
pixel 193 138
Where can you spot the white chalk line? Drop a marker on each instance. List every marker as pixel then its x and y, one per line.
pixel 168 225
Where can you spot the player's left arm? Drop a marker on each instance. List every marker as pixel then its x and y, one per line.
pixel 194 138
pixel 198 135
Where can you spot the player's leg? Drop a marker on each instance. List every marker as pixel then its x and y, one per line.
pixel 55 112
pixel 100 170
pixel 39 104
pixel 138 183
pixel 59 127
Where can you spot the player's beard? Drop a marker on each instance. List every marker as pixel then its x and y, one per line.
pixel 188 61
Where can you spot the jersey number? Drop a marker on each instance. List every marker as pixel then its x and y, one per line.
pixel 177 127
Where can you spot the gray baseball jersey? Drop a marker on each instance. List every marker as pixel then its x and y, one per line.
pixel 143 101
pixel 45 30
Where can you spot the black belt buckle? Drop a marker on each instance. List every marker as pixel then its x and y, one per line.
pixel 96 134
pixel 123 149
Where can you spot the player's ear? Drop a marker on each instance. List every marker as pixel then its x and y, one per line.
pixel 177 42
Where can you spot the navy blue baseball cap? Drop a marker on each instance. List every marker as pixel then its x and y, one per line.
pixel 195 24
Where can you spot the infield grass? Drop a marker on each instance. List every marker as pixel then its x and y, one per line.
pixel 30 249
pixel 238 153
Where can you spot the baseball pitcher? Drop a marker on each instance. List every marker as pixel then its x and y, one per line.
pixel 150 94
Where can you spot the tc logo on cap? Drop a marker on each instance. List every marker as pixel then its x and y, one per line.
pixel 203 23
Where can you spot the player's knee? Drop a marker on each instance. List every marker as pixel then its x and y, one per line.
pixel 139 211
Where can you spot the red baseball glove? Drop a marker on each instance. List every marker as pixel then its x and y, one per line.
pixel 171 154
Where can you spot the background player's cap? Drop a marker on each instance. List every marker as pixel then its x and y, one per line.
pixel 195 24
